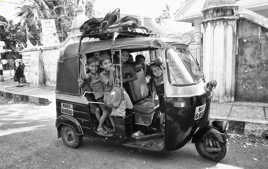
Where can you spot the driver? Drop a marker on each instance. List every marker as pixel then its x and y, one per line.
pixel 128 68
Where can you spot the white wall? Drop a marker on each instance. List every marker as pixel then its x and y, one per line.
pixel 219 43
pixel 41 65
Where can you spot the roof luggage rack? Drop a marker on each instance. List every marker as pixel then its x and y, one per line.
pixel 122 33
pixel 112 26
pixel 105 28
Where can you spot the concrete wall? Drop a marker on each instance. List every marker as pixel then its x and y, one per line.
pixel 252 62
pixel 235 53
pixel 32 66
pixel 41 65
pixel 50 58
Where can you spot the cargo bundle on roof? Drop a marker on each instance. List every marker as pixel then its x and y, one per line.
pixel 112 25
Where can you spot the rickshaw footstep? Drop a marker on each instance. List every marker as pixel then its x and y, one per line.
pixel 147 136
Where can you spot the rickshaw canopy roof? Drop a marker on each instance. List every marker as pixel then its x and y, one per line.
pixel 68 64
pixel 123 43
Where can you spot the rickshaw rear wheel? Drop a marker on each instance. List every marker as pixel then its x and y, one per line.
pixel 210 147
pixel 69 137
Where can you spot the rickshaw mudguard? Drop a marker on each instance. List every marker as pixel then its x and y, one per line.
pixel 68 121
pixel 180 124
pixel 202 131
pixel 178 127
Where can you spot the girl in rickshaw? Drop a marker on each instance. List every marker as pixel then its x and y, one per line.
pixel 157 82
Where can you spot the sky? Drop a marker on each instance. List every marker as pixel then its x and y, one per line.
pixel 148 8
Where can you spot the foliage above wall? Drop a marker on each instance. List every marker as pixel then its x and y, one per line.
pixel 63 11
pixel 12 34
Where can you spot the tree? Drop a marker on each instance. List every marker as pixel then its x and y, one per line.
pixel 17 36
pixel 30 19
pixel 63 11
pixel 3 24
pixel 12 34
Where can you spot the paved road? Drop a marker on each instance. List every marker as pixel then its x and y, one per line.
pixel 28 141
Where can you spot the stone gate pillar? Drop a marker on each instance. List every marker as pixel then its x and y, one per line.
pixel 219 46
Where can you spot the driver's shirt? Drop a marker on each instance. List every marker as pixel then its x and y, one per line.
pixel 129 72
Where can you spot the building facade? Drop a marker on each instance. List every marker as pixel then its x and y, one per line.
pixel 234 43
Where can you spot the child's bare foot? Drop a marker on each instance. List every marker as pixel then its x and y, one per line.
pixel 108 129
pixel 102 132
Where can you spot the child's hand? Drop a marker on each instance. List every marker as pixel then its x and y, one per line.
pixel 83 60
pixel 80 81
pixel 148 78
pixel 86 75
pixel 112 68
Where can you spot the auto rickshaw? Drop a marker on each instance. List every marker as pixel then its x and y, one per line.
pixel 151 124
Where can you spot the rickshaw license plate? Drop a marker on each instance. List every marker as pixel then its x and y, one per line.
pixel 199 112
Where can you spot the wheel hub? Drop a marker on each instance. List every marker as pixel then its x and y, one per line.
pixel 212 145
pixel 70 136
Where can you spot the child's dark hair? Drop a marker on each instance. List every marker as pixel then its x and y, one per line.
pixel 138 57
pixel 105 56
pixel 92 59
pixel 155 63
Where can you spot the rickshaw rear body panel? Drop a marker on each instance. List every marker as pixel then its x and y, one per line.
pixel 76 113
pixel 69 109
pixel 67 75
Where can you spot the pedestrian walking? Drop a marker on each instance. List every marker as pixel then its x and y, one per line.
pixel 19 74
pixel 1 73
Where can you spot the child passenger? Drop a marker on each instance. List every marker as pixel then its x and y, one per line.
pixel 93 83
pixel 108 80
pixel 157 81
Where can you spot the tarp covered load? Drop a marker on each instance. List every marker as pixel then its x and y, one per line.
pixel 104 28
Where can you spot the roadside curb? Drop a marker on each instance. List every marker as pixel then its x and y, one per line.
pixel 244 127
pixel 16 97
pixel 244 118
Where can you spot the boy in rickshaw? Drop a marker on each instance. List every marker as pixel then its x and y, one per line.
pixel 120 99
pixel 108 80
pixel 92 83
pixel 129 72
pixel 140 63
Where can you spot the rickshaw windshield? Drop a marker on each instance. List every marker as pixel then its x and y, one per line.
pixel 182 69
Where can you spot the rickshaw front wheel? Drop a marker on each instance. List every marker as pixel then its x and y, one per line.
pixel 210 147
pixel 69 137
